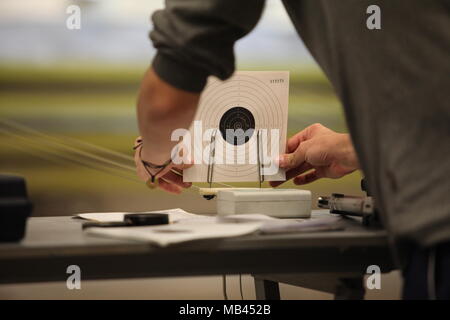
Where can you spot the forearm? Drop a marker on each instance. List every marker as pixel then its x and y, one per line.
pixel 161 109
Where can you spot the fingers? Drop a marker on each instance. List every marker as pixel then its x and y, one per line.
pixel 176 178
pixel 295 159
pixel 307 178
pixel 306 134
pixel 295 140
pixel 292 173
pixel 168 186
pixel 171 182
pixel 183 166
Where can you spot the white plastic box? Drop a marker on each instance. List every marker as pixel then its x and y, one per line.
pixel 279 203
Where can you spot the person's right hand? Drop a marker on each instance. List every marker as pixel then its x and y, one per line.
pixel 317 152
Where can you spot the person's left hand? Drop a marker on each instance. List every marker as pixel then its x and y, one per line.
pixel 170 179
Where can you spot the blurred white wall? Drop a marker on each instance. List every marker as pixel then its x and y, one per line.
pixel 116 32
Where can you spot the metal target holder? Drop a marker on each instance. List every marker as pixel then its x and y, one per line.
pixel 212 155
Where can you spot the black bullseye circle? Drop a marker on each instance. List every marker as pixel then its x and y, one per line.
pixel 241 121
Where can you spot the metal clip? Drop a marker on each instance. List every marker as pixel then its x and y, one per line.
pixel 212 154
pixel 259 146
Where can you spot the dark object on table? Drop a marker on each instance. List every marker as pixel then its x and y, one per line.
pixel 146 219
pixel 15 208
pixel 132 220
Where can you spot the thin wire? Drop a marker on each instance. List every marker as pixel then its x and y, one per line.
pixel 212 154
pixel 240 286
pixel 79 162
pixel 63 144
pixel 64 138
pixel 97 159
pixel 55 149
pixel 258 159
pixel 44 154
pixel 431 280
pixel 224 286
pixel 83 153
pixel 82 162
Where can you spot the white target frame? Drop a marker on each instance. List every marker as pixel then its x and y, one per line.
pixel 266 95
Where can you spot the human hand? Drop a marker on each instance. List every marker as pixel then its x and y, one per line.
pixel 326 153
pixel 169 179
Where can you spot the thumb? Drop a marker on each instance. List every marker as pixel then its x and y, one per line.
pixel 293 160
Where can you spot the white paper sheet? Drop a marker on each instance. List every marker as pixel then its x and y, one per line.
pixel 280 226
pixel 191 226
pixel 256 99
pixel 165 235
pixel 175 215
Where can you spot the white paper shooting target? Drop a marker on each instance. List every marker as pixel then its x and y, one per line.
pixel 247 103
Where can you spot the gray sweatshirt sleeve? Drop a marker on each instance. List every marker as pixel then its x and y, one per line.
pixel 195 39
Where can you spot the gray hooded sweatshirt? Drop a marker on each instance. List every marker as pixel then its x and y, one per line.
pixel 393 82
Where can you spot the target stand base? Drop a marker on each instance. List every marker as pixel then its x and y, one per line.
pixel 277 203
pixel 215 191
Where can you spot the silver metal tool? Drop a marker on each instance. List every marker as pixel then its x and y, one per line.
pixel 349 205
